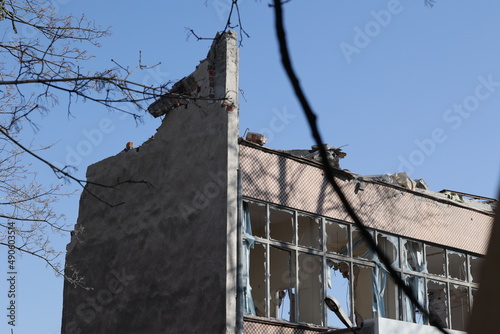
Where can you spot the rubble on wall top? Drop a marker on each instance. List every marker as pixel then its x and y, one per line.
pixel 400 180
pixel 476 201
pixel 177 96
pixel 334 154
pixel 256 138
pixel 480 203
pixel 200 84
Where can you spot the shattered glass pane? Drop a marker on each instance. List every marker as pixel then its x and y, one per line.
pixel 457 268
pixel 281 225
pixel 390 298
pixel 258 218
pixel 389 245
pixel 309 231
pixel 282 287
pixel 338 287
pixel 336 237
pixel 258 278
pixel 459 306
pixel 476 264
pixel 413 256
pixel 411 312
pixel 435 260
pixel 359 247
pixel 438 303
pixel 310 288
pixel 363 293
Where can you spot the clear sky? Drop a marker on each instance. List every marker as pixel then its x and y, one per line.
pixel 404 87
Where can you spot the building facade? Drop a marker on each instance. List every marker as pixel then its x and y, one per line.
pixel 198 230
pixel 303 246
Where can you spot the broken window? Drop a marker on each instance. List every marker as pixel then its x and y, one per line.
pixel 413 256
pixel 281 225
pixel 385 293
pixel 248 244
pixel 476 264
pixel 437 303
pixel 435 257
pixel 282 284
pixel 338 273
pixel 258 217
pixel 287 272
pixel 258 279
pixel 363 293
pixel 337 238
pixel 413 259
pixel 359 247
pixel 386 303
pixel 411 312
pixel 309 231
pixel 310 289
pixel 457 268
pixel 389 245
pixel 459 306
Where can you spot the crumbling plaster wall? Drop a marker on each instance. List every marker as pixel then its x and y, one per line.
pixel 162 259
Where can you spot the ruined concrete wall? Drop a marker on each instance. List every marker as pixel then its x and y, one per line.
pixel 162 259
pixel 275 178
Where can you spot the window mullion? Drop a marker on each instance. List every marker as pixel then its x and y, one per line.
pixel 351 275
pixel 296 266
pixel 448 291
pixel 268 269
pixel 323 270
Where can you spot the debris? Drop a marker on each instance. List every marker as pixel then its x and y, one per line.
pixel 256 138
pixel 129 146
pixel 334 154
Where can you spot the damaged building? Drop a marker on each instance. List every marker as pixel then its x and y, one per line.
pixel 207 232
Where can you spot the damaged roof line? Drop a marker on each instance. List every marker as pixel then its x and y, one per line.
pixel 484 208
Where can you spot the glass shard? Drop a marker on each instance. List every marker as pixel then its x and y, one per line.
pixel 338 287
pixel 435 257
pixel 281 225
pixel 309 232
pixel 310 289
pixel 282 285
pixel 438 303
pixel 337 239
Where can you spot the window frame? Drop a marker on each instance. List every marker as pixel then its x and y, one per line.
pixel 296 249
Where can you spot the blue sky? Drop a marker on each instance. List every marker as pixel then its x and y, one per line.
pixel 402 86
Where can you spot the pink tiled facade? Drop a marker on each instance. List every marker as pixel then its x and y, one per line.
pixel 284 180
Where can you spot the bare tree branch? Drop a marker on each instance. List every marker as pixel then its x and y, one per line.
pixel 228 26
pixel 312 120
